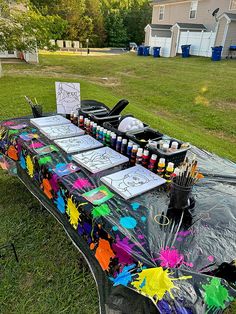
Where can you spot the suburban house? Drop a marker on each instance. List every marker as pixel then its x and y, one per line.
pixel 201 23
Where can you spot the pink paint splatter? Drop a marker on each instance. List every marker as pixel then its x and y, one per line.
pixel 171 258
pixel 123 249
pixel 7 123
pixel 141 236
pixel 211 258
pixel 184 233
pixel 36 145
pixel 82 183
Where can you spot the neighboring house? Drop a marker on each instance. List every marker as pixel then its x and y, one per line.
pixel 30 57
pixel 177 22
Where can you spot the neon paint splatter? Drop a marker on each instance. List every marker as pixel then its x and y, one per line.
pixel 60 203
pixel 135 205
pixel 115 228
pixel 30 166
pixel 12 152
pixel 73 213
pixel 128 222
pixel 143 218
pixel 22 161
pixel 104 253
pixel 46 186
pixel 171 258
pixel 124 278
pixel 8 123
pixel 54 183
pixel 216 295
pixel 155 283
pixel 44 160
pixel 211 258
pixel 123 249
pixel 36 145
pixel 82 183
pixel 100 211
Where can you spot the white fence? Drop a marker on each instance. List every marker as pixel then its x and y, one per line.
pixel 201 42
pixel 163 42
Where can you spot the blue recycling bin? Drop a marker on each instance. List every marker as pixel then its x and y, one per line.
pixel 216 53
pixel 140 50
pixel 185 51
pixel 156 52
pixel 146 51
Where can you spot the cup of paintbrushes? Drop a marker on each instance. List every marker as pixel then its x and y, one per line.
pixel 179 196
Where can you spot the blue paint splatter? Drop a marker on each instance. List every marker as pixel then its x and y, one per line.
pixel 124 278
pixel 143 218
pixel 22 161
pixel 143 283
pixel 128 222
pixel 114 228
pixel 135 206
pixel 60 203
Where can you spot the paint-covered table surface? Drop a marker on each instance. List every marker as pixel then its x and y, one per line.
pixel 182 263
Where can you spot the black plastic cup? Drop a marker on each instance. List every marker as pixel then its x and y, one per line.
pixel 180 196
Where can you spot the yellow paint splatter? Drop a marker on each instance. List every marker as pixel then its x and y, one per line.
pixel 30 166
pixel 73 213
pixel 155 282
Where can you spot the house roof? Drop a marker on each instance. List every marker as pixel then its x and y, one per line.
pixel 161 26
pixel 191 26
pixel 166 1
pixel 231 16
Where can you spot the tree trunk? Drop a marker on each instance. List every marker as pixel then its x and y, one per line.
pixel 1 72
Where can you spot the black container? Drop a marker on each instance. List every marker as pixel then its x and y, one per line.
pixel 176 157
pixel 93 107
pixel 141 137
pixel 180 196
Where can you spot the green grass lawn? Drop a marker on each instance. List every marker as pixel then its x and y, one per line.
pixel 192 99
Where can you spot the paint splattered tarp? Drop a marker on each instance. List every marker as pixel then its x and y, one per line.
pixel 183 263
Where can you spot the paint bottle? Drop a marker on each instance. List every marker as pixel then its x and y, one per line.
pixel 129 148
pixel 75 119
pixel 133 155
pixel 165 147
pixel 145 158
pixel 71 116
pixel 161 144
pixel 88 126
pixel 124 146
pixel 85 124
pixel 108 138
pixel 161 167
pixel 81 122
pixel 152 162
pixel 113 140
pixel 94 129
pixel 98 132
pixel 168 173
pixel 91 128
pixel 118 143
pixel 104 136
pixel 174 146
pixel 139 156
pixel 100 137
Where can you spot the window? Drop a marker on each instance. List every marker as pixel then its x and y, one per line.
pixel 233 5
pixel 161 12
pixel 193 10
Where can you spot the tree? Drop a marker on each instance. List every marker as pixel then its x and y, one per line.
pixel 94 11
pixel 116 32
pixel 23 28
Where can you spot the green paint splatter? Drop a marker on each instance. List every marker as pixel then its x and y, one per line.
pixel 45 160
pixel 102 210
pixel 10 132
pixel 216 295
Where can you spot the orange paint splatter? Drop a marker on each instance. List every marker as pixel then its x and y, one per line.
pixel 104 254
pixel 12 152
pixel 47 188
